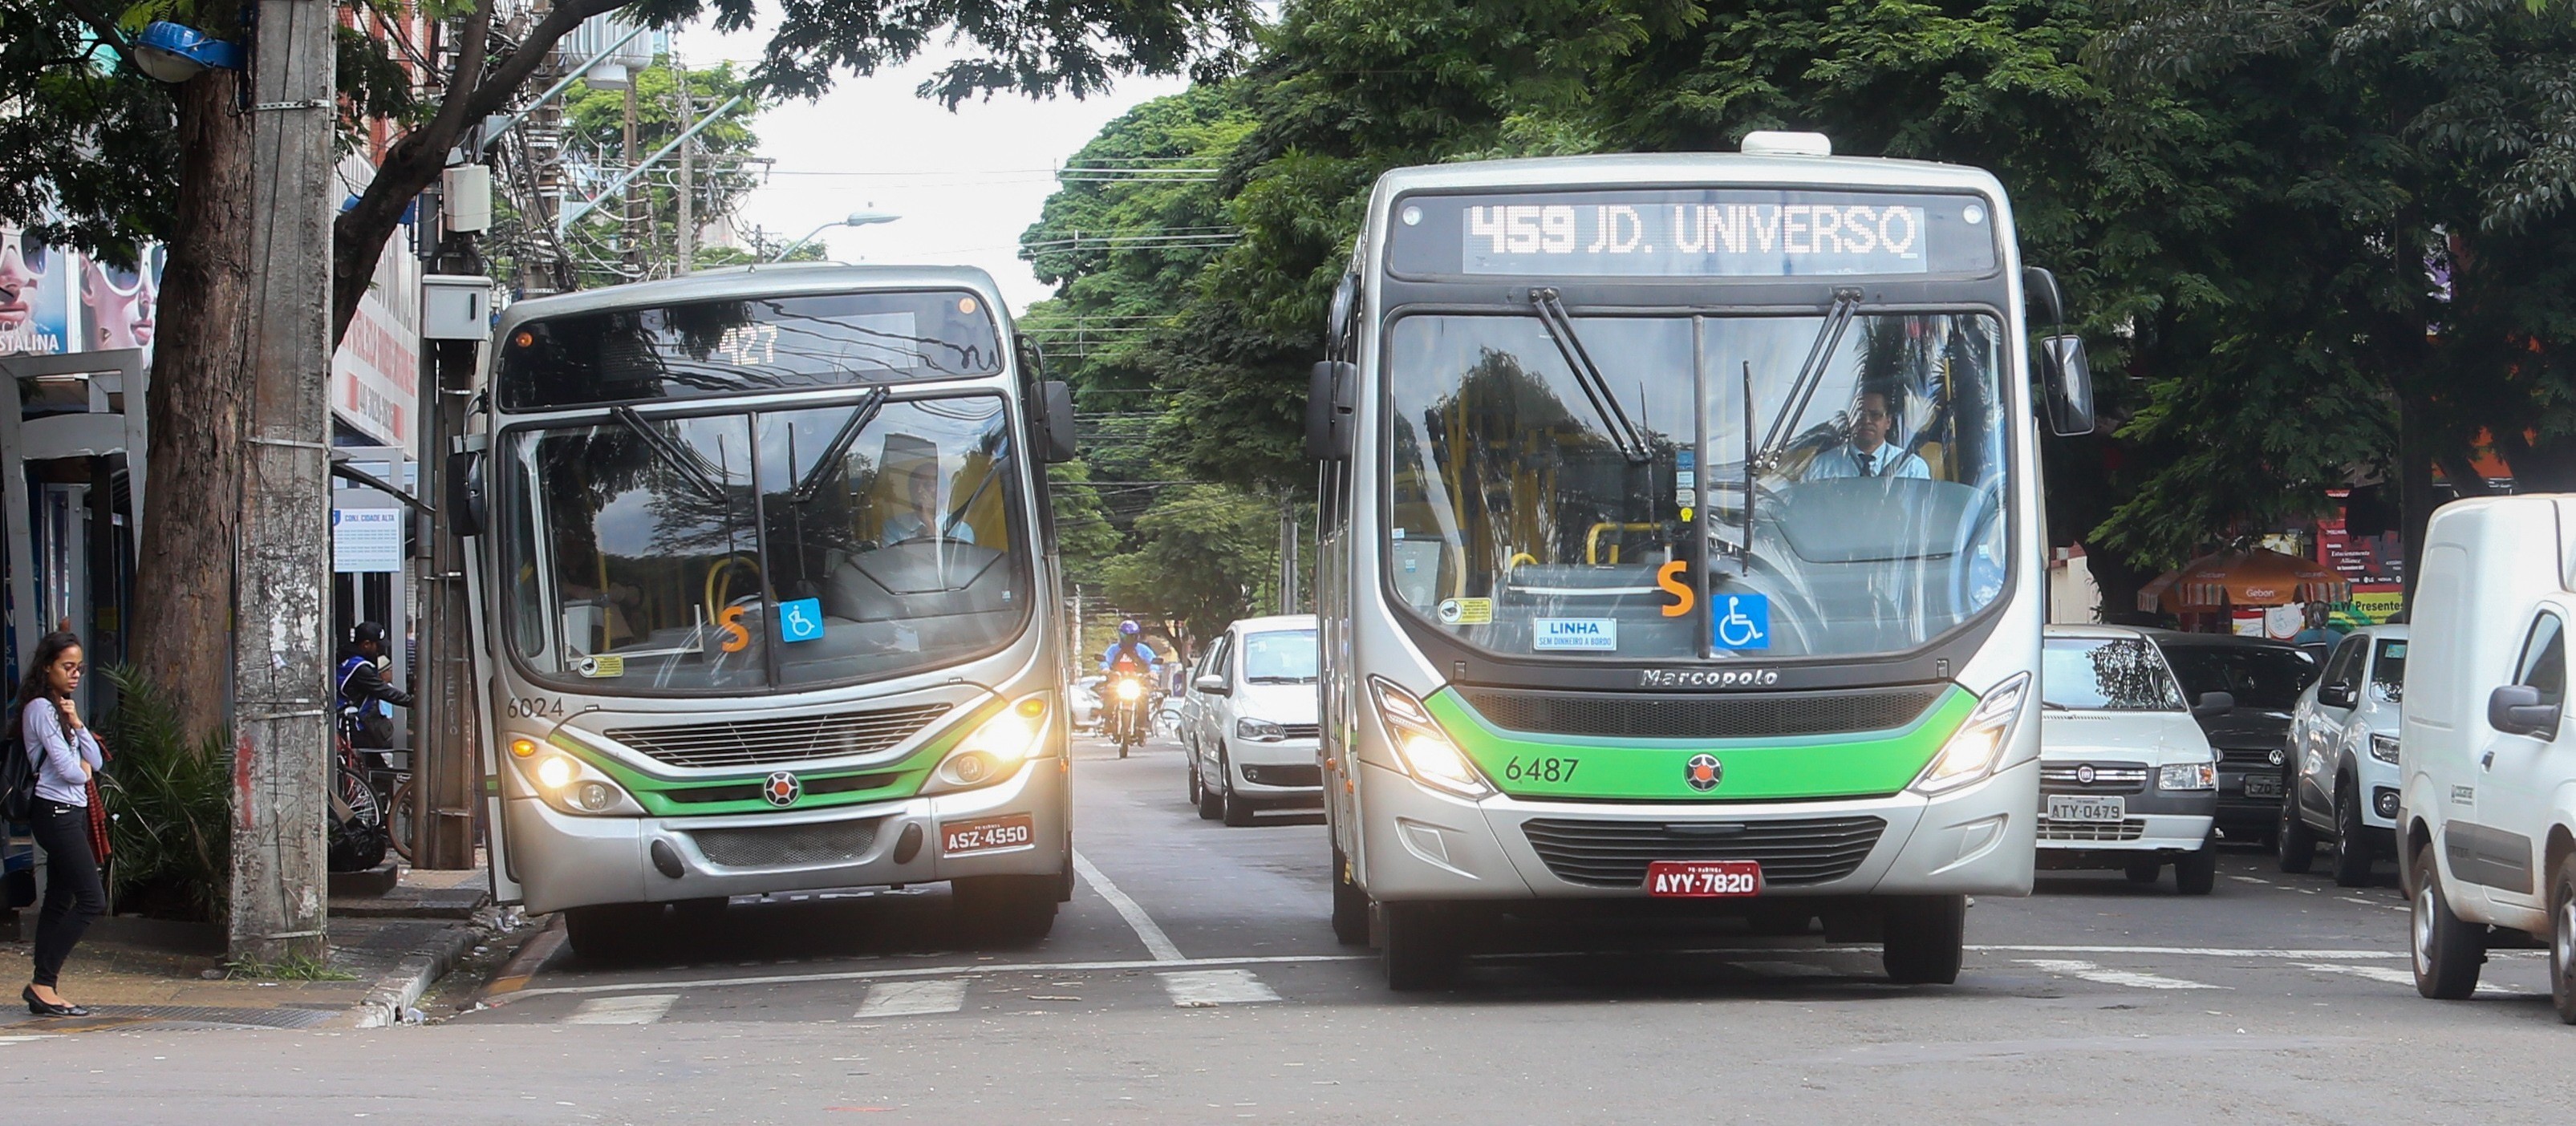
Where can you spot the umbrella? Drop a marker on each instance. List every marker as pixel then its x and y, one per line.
pixel 2246 577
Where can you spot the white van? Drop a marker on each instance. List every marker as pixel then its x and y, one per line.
pixel 2126 777
pixel 2488 802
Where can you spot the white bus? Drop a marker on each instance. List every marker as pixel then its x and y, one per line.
pixel 762 587
pixel 1682 542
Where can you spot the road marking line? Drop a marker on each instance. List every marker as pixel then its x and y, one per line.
pixel 2403 977
pixel 1156 942
pixel 2130 978
pixel 2204 952
pixel 2360 900
pixel 1193 989
pixel 913 998
pixel 932 971
pixel 531 958
pixel 2250 880
pixel 642 1009
pixel 24 1039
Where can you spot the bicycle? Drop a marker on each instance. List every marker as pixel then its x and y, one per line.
pixel 356 837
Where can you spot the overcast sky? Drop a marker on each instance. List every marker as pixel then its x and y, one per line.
pixel 966 183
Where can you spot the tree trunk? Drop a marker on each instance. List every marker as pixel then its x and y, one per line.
pixel 2415 484
pixel 184 560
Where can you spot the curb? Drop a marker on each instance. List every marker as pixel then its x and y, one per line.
pixel 394 994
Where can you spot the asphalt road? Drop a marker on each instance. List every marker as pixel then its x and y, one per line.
pixel 1193 979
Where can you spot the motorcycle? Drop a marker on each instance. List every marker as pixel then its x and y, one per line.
pixel 1127 707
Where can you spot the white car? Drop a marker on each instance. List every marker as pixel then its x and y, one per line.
pixel 1254 740
pixel 2343 757
pixel 2126 777
pixel 2487 805
pixel 1085 695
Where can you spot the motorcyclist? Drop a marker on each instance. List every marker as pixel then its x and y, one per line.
pixel 1129 659
pixel 364 694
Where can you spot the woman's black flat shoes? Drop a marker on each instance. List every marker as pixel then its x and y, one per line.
pixel 44 1009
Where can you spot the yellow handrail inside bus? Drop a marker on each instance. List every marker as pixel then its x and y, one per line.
pixel 1592 540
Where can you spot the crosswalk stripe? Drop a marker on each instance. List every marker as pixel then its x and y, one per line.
pixel 642 1008
pixel 1192 989
pixel 2133 979
pixel 2399 977
pixel 913 998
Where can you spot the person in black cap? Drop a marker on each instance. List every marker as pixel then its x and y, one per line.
pixel 363 687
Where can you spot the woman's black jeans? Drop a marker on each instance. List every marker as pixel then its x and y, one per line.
pixel 72 893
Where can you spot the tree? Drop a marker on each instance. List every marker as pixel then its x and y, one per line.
pixel 1204 556
pixel 720 177
pixel 201 369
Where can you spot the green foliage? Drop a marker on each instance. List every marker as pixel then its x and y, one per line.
pixel 69 101
pixel 170 799
pixel 295 967
pixel 1204 555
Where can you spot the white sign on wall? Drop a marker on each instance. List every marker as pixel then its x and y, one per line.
pixel 366 540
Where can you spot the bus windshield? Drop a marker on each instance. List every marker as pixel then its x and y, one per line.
pixel 1527 523
pixel 770 550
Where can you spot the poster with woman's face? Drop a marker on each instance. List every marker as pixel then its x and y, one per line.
pixel 118 303
pixel 35 310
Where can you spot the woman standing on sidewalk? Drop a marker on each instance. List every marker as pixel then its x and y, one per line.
pixel 67 758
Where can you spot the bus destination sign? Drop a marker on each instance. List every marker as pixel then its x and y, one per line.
pixel 1685 233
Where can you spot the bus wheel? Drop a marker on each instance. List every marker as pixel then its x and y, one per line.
pixel 1350 904
pixel 1422 947
pixel 611 932
pixel 1008 908
pixel 2448 951
pixel 1923 939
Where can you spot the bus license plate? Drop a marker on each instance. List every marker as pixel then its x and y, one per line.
pixel 2262 785
pixel 987 834
pixel 2078 808
pixel 1703 879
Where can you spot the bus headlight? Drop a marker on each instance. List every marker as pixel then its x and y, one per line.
pixel 2188 776
pixel 1424 750
pixel 1971 753
pixel 573 786
pixel 995 749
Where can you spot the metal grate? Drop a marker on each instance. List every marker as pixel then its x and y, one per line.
pixel 2128 830
pixel 1808 850
pixel 764 742
pixel 1301 730
pixel 2108 778
pixel 1701 717
pixel 1284 775
pixel 787 846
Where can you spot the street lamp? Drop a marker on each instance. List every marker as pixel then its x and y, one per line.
pixel 855 219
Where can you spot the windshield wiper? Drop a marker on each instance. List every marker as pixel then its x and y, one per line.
pixel 1811 374
pixel 860 417
pixel 678 456
pixel 1550 310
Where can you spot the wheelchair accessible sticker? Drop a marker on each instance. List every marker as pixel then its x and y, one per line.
pixel 1740 621
pixel 1598 634
pixel 801 620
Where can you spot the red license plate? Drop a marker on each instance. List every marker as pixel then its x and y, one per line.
pixel 987 834
pixel 1703 879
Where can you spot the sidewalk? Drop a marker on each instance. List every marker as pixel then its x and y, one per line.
pixel 145 973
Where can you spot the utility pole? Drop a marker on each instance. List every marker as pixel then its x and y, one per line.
pixel 281 570
pixel 687 235
pixel 626 224
pixel 1287 556
pixel 445 760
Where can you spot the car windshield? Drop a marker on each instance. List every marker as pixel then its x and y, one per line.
pixel 1279 657
pixel 2105 674
pixel 2388 673
pixel 2266 677
pixel 1537 511
pixel 772 550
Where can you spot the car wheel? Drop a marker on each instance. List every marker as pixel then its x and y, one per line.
pixel 2447 951
pixel 2145 871
pixel 2562 938
pixel 1194 779
pixel 1924 939
pixel 2196 872
pixel 1211 802
pixel 2352 840
pixel 1350 904
pixel 1423 950
pixel 1236 808
pixel 2298 843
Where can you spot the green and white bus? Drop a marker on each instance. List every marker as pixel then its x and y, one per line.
pixel 1682 542
pixel 759 560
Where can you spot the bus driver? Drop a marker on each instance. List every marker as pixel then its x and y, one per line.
pixel 1867 453
pixel 924 519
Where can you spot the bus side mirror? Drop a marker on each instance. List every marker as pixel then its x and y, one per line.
pixel 1061 442
pixel 2069 379
pixel 466 507
pixel 2041 299
pixel 1330 392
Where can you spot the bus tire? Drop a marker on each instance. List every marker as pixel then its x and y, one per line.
pixel 1008 908
pixel 1422 949
pixel 1350 904
pixel 2446 950
pixel 2352 839
pixel 610 932
pixel 2196 872
pixel 1925 938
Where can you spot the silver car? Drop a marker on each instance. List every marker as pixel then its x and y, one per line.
pixel 2343 757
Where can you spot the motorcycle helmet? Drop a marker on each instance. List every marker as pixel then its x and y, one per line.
pixel 1130 628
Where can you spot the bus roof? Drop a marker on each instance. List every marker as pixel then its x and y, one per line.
pixel 782 280
pixel 1661 169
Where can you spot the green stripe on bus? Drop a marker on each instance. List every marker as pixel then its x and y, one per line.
pixel 1761 769
pixel 909 773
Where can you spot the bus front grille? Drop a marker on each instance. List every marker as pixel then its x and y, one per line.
pixel 1806 850
pixel 1701 717
pixel 765 742
pixel 787 846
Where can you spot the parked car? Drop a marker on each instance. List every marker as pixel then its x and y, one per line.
pixel 2343 757
pixel 2487 803
pixel 2126 778
pixel 1086 703
pixel 1256 734
pixel 2264 678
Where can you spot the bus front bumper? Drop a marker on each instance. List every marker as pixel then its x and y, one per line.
pixel 566 861
pixel 1424 845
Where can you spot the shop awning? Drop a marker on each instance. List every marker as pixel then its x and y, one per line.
pixel 2248 577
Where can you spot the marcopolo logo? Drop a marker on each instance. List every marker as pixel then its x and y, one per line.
pixel 1703 772
pixel 1707 678
pixel 782 789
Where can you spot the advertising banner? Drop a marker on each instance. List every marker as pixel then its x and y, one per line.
pixel 2374 565
pixel 35 301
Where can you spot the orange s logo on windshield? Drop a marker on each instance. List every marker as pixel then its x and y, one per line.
pixel 1669 577
pixel 737 638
